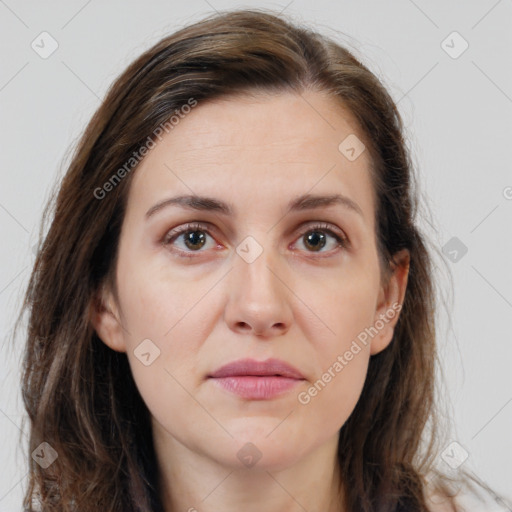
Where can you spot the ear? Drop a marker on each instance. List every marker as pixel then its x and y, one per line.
pixel 104 316
pixel 389 304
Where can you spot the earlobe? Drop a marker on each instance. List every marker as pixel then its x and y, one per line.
pixel 391 298
pixel 105 320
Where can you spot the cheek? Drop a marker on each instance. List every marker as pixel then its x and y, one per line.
pixel 342 351
pixel 344 310
pixel 330 399
pixel 156 302
pixel 162 333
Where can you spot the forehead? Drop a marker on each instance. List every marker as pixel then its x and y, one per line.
pixel 250 149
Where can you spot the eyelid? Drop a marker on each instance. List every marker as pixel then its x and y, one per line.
pixel 302 229
pixel 183 228
pixel 321 225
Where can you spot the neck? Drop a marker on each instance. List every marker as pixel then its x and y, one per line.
pixel 193 482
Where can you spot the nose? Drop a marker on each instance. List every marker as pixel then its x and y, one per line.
pixel 259 298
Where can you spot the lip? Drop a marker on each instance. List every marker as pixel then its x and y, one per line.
pixel 270 367
pixel 257 380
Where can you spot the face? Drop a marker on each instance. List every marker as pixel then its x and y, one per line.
pixel 200 287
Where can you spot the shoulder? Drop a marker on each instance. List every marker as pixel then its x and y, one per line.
pixel 440 503
pixel 443 497
pixel 462 502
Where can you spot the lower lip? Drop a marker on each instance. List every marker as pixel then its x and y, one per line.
pixel 257 388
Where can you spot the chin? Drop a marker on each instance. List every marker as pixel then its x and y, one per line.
pixel 263 448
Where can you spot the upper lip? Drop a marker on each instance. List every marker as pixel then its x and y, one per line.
pixel 257 368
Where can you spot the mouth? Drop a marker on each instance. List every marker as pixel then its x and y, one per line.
pixel 257 380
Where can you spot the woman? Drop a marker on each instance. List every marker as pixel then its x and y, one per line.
pixel 233 306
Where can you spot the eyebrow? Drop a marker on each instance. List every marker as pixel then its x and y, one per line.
pixel 300 203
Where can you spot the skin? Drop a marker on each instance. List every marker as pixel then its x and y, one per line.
pixel 293 303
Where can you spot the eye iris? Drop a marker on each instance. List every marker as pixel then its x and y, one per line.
pixel 315 236
pixel 195 239
pixel 192 238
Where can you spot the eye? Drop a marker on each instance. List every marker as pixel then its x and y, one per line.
pixel 194 237
pixel 317 237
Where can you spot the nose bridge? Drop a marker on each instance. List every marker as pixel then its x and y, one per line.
pixel 258 296
pixel 256 269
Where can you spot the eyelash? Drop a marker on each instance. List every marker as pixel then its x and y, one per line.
pixel 172 235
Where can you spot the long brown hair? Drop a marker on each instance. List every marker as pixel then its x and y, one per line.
pixel 79 394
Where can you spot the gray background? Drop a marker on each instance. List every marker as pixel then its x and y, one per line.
pixel 457 112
